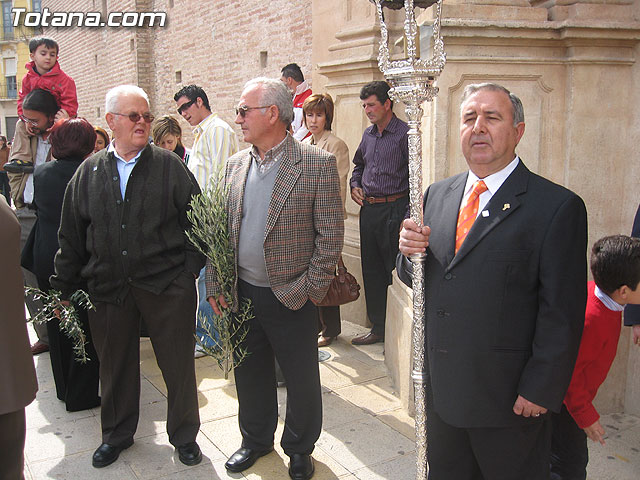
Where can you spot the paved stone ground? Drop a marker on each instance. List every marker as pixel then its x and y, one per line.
pixel 366 436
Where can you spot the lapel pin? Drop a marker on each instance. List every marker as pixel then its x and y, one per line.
pixel 485 213
pixel 95 168
pixel 506 206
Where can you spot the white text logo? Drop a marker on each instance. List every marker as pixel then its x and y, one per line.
pixel 88 19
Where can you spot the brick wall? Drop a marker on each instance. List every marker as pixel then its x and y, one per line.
pixel 215 44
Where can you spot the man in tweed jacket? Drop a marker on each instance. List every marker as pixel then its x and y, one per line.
pixel 286 227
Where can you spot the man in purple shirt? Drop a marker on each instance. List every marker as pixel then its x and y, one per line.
pixel 380 185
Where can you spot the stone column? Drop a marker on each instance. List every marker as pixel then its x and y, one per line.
pixel 345 51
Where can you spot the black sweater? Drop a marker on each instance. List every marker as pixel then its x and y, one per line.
pixel 111 242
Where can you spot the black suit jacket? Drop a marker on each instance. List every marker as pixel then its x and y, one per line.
pixel 504 316
pixel 632 312
pixel 49 183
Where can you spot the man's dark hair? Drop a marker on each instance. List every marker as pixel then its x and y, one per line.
pixel 73 138
pixel 293 71
pixel 35 42
pixel 378 88
pixel 615 261
pixel 41 101
pixel 192 92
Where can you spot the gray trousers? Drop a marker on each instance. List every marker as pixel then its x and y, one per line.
pixel 27 219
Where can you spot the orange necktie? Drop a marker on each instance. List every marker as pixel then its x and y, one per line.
pixel 468 214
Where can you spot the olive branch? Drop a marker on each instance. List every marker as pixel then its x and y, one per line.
pixel 209 234
pixel 67 313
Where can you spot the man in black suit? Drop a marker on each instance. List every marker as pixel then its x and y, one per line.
pixel 504 310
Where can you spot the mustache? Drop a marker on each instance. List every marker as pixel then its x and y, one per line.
pixel 479 139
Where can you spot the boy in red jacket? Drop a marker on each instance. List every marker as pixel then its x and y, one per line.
pixel 43 71
pixel 615 265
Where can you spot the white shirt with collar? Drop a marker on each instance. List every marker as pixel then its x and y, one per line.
pixel 124 167
pixel 42 151
pixel 607 301
pixel 493 183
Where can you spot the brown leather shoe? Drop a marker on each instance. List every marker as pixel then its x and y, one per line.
pixel 325 341
pixel 368 339
pixel 39 347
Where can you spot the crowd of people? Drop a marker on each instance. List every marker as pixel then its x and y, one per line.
pixel 512 362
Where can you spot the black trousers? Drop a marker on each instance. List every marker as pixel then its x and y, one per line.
pixel 116 335
pixel 569 451
pixel 292 336
pixel 13 430
pixel 329 321
pixel 379 232
pixel 76 383
pixel 507 453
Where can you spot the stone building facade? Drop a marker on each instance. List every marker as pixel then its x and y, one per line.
pixel 574 63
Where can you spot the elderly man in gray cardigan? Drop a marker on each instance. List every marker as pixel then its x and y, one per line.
pixel 123 233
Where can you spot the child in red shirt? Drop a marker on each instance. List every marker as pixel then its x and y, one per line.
pixel 615 265
pixel 43 71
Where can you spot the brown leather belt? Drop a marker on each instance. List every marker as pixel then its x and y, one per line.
pixel 387 199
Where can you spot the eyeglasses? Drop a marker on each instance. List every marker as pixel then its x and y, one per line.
pixel 135 116
pixel 33 123
pixel 186 105
pixel 243 109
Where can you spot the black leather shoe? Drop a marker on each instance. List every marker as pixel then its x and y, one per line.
pixel 244 458
pixel 106 454
pixel 189 453
pixel 301 467
pixel 368 339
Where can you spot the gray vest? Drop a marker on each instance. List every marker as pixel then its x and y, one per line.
pixel 255 206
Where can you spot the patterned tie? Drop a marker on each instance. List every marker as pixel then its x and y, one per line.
pixel 468 214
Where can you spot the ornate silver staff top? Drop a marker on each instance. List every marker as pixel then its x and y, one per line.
pixel 412 80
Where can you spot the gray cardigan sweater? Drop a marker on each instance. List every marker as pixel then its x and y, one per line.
pixel 110 242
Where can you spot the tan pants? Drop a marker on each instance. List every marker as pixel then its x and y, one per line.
pixel 21 146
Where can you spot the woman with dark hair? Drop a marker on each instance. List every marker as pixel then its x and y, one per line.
pixel 71 142
pixel 102 139
pixel 167 134
pixel 4 180
pixel 317 116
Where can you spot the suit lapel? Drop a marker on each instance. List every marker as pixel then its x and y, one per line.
pixel 288 172
pixel 502 204
pixel 442 241
pixel 236 197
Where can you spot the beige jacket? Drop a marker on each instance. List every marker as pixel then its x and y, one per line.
pixel 332 144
